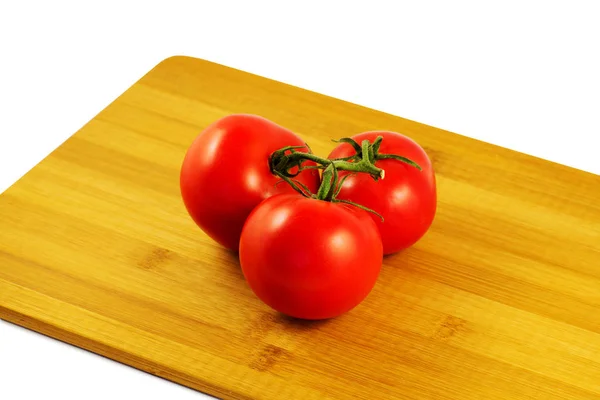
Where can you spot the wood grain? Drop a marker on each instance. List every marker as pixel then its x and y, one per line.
pixel 500 300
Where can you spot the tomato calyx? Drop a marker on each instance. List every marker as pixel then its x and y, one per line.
pixel 375 155
pixel 284 160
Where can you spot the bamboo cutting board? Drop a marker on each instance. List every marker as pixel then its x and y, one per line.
pixel 500 300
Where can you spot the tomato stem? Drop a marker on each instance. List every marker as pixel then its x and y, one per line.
pixel 328 183
pixel 283 163
pixel 284 160
pixel 359 206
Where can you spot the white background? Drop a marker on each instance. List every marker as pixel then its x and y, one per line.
pixel 521 74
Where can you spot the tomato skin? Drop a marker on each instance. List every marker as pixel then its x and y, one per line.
pixel 309 258
pixel 225 173
pixel 406 198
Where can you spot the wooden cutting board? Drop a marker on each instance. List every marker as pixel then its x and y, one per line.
pixel 500 300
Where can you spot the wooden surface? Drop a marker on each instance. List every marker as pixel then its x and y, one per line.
pixel 500 300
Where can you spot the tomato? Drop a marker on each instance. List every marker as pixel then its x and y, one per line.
pixel 226 173
pixel 406 198
pixel 309 258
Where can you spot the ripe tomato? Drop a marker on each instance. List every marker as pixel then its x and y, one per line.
pixel 309 258
pixel 226 173
pixel 406 198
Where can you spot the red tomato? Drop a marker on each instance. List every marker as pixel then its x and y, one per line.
pixel 406 198
pixel 309 258
pixel 225 173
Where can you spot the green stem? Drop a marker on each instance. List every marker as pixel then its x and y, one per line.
pixel 398 158
pixel 359 206
pixel 374 154
pixel 377 144
pixel 282 162
pixel 334 184
pixel 327 182
pixel 296 185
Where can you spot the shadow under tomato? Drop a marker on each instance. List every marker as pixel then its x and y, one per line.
pixel 399 253
pixel 231 258
pixel 301 324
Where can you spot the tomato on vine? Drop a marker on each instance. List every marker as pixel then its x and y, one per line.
pixel 226 173
pixel 311 247
pixel 406 198
pixel 309 258
pixel 308 255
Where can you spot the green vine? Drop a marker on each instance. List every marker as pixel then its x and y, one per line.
pixel 284 160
